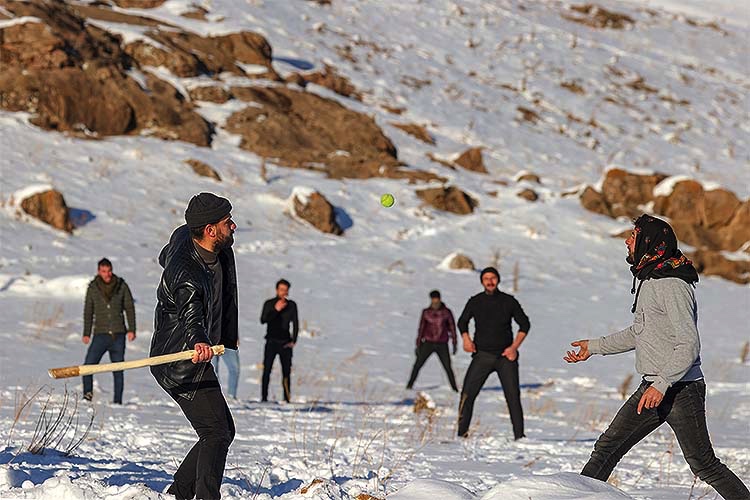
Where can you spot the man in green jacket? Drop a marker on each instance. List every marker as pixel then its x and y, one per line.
pixel 107 297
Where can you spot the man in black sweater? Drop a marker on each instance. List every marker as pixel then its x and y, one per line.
pixel 493 349
pixel 279 313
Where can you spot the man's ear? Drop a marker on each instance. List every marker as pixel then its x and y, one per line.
pixel 210 231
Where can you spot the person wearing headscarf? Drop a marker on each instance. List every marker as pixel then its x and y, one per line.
pixel 664 335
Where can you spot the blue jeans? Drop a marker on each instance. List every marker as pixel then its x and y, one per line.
pixel 231 358
pixel 101 343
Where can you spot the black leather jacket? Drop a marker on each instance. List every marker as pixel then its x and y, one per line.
pixel 183 311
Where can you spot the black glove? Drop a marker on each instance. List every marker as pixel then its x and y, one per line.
pixel 455 349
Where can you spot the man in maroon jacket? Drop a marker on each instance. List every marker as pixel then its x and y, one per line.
pixel 436 327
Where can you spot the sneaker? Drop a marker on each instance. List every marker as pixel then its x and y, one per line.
pixel 88 396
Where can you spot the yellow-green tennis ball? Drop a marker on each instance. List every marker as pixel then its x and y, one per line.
pixel 387 200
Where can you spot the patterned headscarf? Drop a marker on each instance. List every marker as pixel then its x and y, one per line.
pixel 656 254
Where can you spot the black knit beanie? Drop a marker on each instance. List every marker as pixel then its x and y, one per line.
pixel 206 208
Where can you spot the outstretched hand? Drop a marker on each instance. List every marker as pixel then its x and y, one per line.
pixel 583 352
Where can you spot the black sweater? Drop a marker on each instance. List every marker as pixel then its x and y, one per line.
pixel 492 315
pixel 278 322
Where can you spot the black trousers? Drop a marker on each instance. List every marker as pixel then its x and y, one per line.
pixel 424 351
pixel 200 474
pixel 482 365
pixel 684 409
pixel 274 348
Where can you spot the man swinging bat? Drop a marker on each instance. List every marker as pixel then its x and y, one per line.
pixel 197 308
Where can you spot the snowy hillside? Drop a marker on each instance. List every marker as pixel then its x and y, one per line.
pixel 540 94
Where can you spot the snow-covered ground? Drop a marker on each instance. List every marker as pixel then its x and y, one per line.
pixel 352 424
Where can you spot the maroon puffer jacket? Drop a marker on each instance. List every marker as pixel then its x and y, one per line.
pixel 437 325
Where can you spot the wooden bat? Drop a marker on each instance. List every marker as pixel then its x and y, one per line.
pixel 80 370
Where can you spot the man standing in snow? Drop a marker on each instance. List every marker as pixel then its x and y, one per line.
pixel 107 297
pixel 664 335
pixel 436 327
pixel 279 314
pixel 493 349
pixel 197 308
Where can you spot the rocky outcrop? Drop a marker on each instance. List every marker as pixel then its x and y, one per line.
pixel 528 194
pixel 417 131
pixel 622 194
pixel 529 177
pixel 74 77
pixel 314 208
pixel 471 159
pixel 188 54
pixel 49 207
pixel 712 222
pixel 328 78
pixel 715 264
pixel 138 4
pixel 203 169
pixel 458 261
pixel 596 16
pixel 210 93
pixel 303 130
pixel 448 199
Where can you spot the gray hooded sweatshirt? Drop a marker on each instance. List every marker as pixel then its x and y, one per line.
pixel 664 334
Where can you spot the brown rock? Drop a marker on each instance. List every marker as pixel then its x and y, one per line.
pixel 439 160
pixel 203 169
pixel 301 129
pixel 449 199
pixel 596 16
pixel 527 114
pixel 67 99
pixel 720 206
pixel 318 211
pixel 710 221
pixel 737 233
pixel 471 159
pixel 696 235
pixel 594 201
pixel 460 261
pixel 198 13
pixel 188 54
pixel 528 194
pixel 296 79
pixel 71 76
pixel 210 93
pixel 50 208
pixel 530 178
pixel 138 4
pixel 330 79
pixel 713 263
pixel 417 131
pixel 394 110
pixel 624 192
pixel 685 203
pixel 166 115
pixel 60 39
pixel 97 10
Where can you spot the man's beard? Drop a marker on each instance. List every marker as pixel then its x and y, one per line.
pixel 631 258
pixel 226 242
